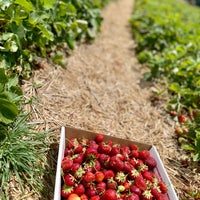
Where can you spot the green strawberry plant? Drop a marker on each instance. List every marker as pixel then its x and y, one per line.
pixel 167 34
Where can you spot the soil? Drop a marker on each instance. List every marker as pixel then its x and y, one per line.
pixel 102 89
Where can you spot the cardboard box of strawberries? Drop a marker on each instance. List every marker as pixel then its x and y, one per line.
pixel 93 166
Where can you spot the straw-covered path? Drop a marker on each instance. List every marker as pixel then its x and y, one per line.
pixel 102 90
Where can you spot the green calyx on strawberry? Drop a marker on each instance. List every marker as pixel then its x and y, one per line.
pixel 66 190
pixel 120 177
pixel 146 195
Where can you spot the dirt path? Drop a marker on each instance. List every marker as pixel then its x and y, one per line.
pixel 101 90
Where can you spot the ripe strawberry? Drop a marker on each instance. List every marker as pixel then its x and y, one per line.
pixel 74 168
pixel 120 177
pixel 162 187
pixel 79 190
pixel 172 113
pixel 66 164
pixel 100 188
pixel 150 162
pixel 97 166
pixel 182 119
pixel 109 194
pixel 140 183
pixel 127 167
pixel 125 151
pixel 91 153
pixel 133 147
pixel 143 154
pixel 99 138
pixel 96 197
pixel 108 174
pixel 115 150
pixel 111 184
pixel 133 162
pixel 155 193
pixel 99 176
pixel 89 177
pixel 162 197
pixel 83 141
pixel 93 144
pixel 104 160
pixel 78 158
pixel 73 196
pixel 116 164
pixel 84 197
pixel 104 148
pixel 90 192
pixel 133 174
pixel 79 173
pixel 78 148
pixel 135 189
pixel 178 130
pixel 126 185
pixel 148 176
pixel 132 197
pixel 66 190
pixel 69 180
pixel 134 154
pixel 68 152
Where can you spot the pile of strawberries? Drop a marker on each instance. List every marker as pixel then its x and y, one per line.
pixel 99 170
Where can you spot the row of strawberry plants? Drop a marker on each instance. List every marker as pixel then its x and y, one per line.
pixel 29 30
pixel 167 34
pixel 32 28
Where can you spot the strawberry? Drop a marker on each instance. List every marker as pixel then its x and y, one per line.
pixel 80 189
pixel 72 143
pixel 111 184
pixel 132 197
pixel 135 189
pixel 109 194
pixel 172 113
pixel 150 162
pixel 73 196
pixel 78 148
pixel 155 193
pixel 99 176
pixel 99 138
pixel 148 176
pixel 97 166
pixel 90 192
pixel 162 187
pixel 74 168
pixel 115 150
pixel 120 177
pixel 79 173
pixel 83 141
pixel 69 180
pixel 96 197
pixel 162 197
pixel 68 152
pixel 182 119
pixel 140 183
pixel 104 148
pixel 133 162
pixel 146 195
pixel 134 154
pixel 91 153
pixel 78 158
pixel 125 151
pixel 133 173
pixel 66 190
pixel 108 174
pixel 126 185
pixel 133 147
pixel 104 160
pixel 143 154
pixel 66 164
pixel 84 197
pixel 116 164
pixel 100 188
pixel 93 144
pixel 89 177
pixel 127 167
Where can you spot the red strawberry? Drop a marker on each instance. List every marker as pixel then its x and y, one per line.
pixel 93 144
pixel 99 138
pixel 68 152
pixel 143 154
pixel 66 164
pixel 162 187
pixel 162 197
pixel 115 150
pixel 78 158
pixel 89 177
pixel 104 160
pixel 78 148
pixel 126 185
pixel 97 166
pixel 108 174
pixel 96 197
pixel 140 183
pixel 155 193
pixel 90 192
pixel 133 162
pixel 146 195
pixel 72 143
pixel 150 162
pixel 120 177
pixel 133 147
pixel 116 164
pixel 74 168
pixel 100 188
pixel 79 173
pixel 125 150
pixel 111 184
pixel 91 153
pixel 104 148
pixel 132 197
pixel 109 194
pixel 127 166
pixel 134 154
pixel 99 176
pixel 66 190
pixel 79 190
pixel 69 180
pixel 84 197
pixel 133 173
pixel 148 176
pixel 135 189
pixel 182 119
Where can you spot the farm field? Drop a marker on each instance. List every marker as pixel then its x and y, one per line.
pixel 101 87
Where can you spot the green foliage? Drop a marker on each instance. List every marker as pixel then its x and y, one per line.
pixel 168 42
pixel 22 155
pixel 31 28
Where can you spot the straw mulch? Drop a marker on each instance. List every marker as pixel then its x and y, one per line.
pixel 102 90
